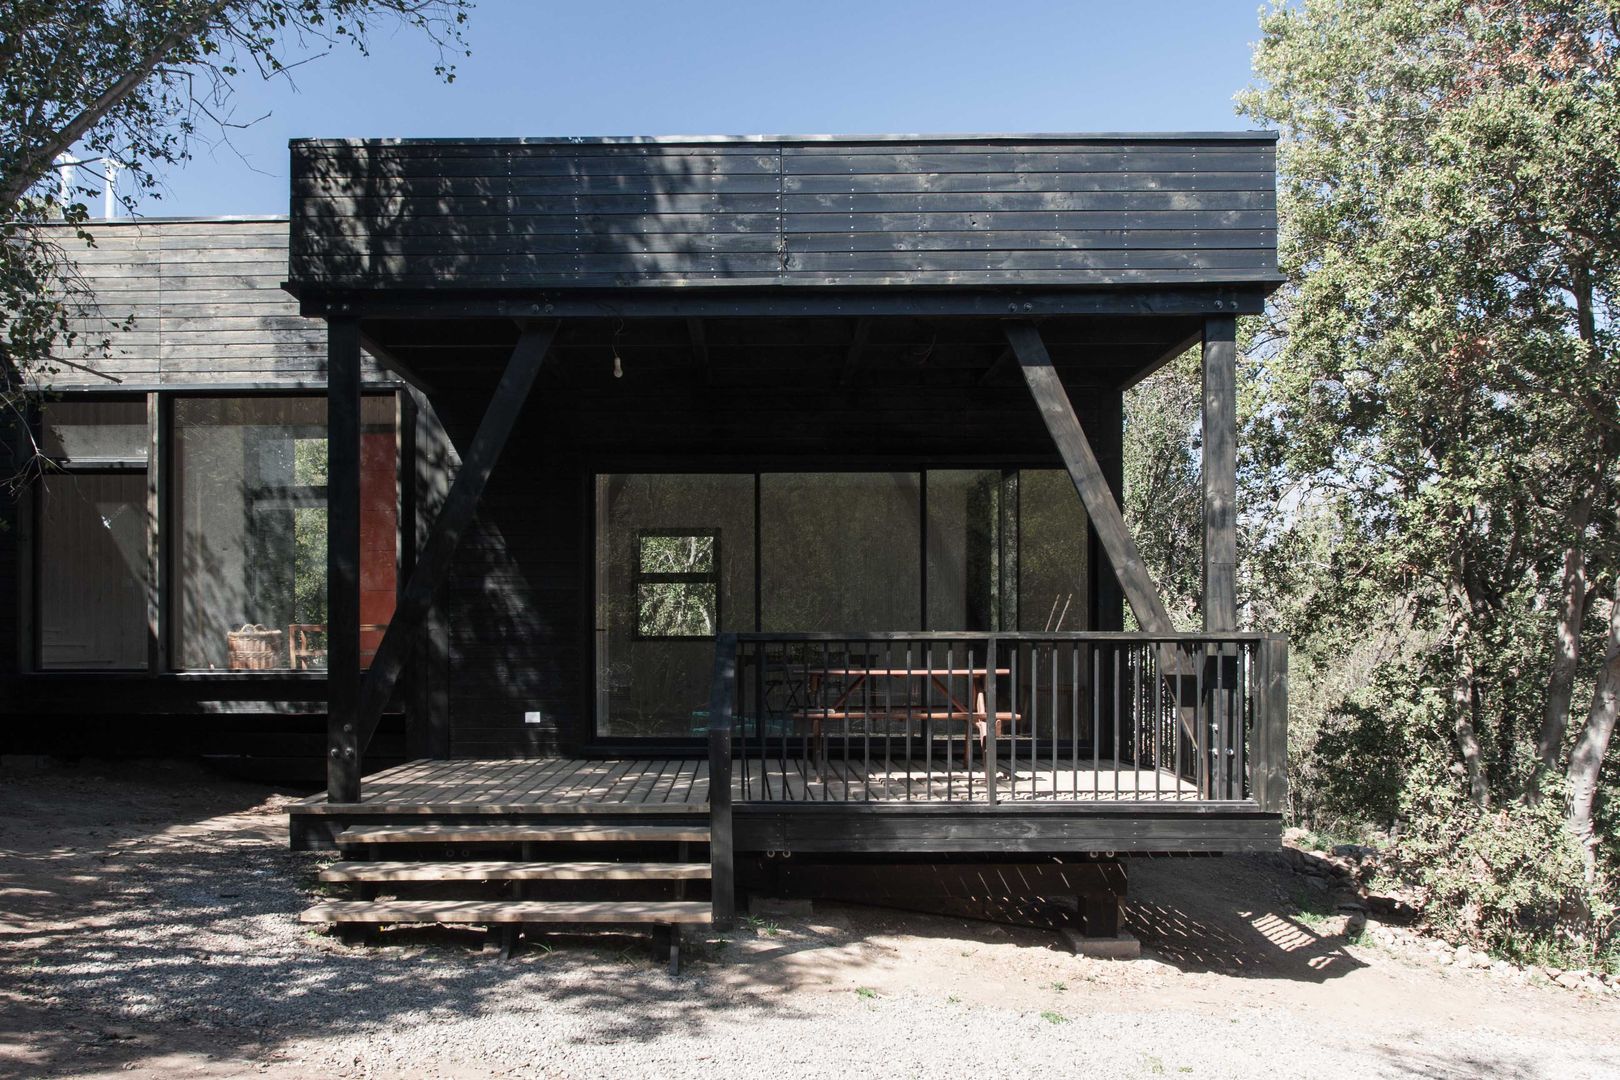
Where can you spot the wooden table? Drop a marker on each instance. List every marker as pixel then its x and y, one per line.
pixel 972 713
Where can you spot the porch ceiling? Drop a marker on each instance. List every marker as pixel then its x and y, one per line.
pixel 820 353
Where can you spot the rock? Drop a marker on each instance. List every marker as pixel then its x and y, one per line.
pixel 1569 980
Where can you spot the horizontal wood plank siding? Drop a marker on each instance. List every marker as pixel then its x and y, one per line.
pixel 985 212
pixel 189 303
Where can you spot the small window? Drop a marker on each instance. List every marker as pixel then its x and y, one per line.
pixel 677 583
pixel 95 432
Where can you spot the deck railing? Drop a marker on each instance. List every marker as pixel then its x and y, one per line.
pixel 993 718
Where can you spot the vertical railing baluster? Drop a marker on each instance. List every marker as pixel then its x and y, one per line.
pixel 1074 720
pixel 1119 686
pixel 1158 724
pixel 992 662
pixel 911 714
pixel 1054 711
pixel 928 724
pixel 1136 721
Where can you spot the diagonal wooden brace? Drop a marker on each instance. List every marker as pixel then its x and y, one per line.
pixel 433 565
pixel 1101 507
pixel 1078 458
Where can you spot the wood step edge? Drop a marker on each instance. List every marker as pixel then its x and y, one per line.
pixel 514 870
pixel 608 913
pixel 428 834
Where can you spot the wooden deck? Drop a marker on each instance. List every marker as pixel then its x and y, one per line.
pixel 787 806
pixel 673 785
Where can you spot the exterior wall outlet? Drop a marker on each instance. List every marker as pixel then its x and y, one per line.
pixel 533 718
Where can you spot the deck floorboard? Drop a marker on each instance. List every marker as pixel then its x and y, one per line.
pixel 676 784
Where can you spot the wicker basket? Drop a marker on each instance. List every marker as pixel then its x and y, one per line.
pixel 253 648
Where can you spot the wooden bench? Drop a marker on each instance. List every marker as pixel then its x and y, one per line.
pixel 976 722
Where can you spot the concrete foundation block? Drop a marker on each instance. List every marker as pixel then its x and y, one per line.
pixel 1122 947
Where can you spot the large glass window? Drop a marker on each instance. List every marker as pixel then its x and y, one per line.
pixel 840 551
pixel 93 536
pixel 250 531
pixel 969 541
pixel 1053 537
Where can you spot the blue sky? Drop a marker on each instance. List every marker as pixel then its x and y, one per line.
pixel 706 67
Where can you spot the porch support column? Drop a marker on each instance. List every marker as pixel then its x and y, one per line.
pixel 1220 474
pixel 1058 413
pixel 342 559
pixel 460 506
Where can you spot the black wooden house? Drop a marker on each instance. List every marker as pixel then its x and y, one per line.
pixel 758 494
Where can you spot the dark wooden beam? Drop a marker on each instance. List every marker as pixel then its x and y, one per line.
pixel 1169 354
pixel 1106 518
pixel 818 302
pixel 433 563
pixel 391 361
pixel 1220 474
pixel 852 355
pixel 343 560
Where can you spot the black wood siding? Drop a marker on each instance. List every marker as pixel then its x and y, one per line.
pixel 1017 210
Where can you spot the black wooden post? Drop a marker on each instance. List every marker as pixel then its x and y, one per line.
pixel 1268 758
pixel 722 863
pixel 342 559
pixel 1220 473
pixel 1220 547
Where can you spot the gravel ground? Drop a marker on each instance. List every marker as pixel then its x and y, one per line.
pixel 147 920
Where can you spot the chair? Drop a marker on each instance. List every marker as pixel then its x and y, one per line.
pixel 301 652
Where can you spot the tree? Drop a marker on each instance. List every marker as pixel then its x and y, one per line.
pixel 133 83
pixel 1449 195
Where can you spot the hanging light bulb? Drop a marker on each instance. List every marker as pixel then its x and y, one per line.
pixel 618 368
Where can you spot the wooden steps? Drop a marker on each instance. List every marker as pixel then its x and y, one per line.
pixel 482 912
pixel 530 891
pixel 518 834
pixel 498 870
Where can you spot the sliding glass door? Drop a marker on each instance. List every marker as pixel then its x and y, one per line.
pixel 681 557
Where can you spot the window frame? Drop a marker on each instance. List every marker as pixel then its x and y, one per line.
pixel 163 557
pixel 640 577
pixel 55 465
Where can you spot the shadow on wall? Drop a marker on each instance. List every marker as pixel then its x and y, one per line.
pixel 492 214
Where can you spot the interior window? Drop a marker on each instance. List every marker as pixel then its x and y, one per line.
pixel 250 531
pixel 677 584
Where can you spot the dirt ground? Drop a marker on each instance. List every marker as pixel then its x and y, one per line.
pixel 147 928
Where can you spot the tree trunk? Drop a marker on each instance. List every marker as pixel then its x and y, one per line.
pixel 1586 760
pixel 1566 648
pixel 1463 699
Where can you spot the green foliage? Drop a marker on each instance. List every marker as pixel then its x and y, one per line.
pixel 1508 879
pixel 136 83
pixel 1429 411
pixel 1163 498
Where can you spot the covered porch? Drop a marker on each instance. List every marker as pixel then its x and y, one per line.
pixel 744 438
